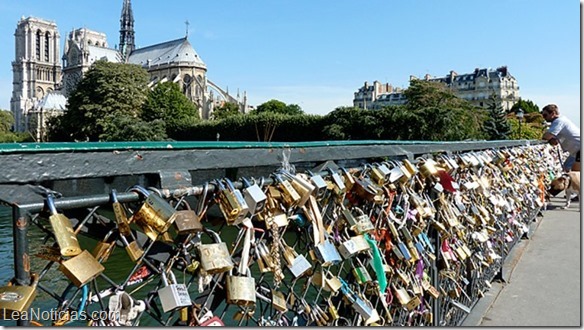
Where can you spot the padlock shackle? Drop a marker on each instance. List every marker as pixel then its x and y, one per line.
pixel 245 182
pixel 50 202
pixel 114 196
pixel 140 190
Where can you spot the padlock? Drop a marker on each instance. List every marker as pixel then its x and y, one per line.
pixel 187 222
pixel 296 263
pixel 366 189
pixel 364 224
pixel 231 202
pixel 120 214
pixel 428 168
pixel 339 186
pixel 365 308
pixel 319 185
pixel 173 295
pixel 155 216
pixel 254 197
pixel 278 301
pixel 290 196
pixel 380 173
pixel 327 253
pixel 301 184
pixel 353 245
pixel 240 290
pixel 81 269
pixel 409 167
pixel 17 298
pixel 348 178
pixel 215 257
pixel 132 248
pixel 361 274
pixel 104 248
pixel 63 230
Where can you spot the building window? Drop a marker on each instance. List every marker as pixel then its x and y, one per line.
pixel 47 47
pixel 38 45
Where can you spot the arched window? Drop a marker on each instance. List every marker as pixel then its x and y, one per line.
pixel 47 43
pixel 38 45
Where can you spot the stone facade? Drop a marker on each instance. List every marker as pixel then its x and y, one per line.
pixel 37 70
pixel 476 87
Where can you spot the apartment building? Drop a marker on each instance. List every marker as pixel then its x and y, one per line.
pixel 476 87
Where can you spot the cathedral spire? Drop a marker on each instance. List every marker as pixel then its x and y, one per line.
pixel 127 30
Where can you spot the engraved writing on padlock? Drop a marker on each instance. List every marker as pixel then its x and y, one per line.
pixel 17 298
pixel 63 230
pixel 215 257
pixel 241 290
pixel 173 295
pixel 187 222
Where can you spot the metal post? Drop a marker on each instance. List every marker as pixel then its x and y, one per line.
pixel 20 222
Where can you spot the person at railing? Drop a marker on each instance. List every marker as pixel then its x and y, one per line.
pixel 563 131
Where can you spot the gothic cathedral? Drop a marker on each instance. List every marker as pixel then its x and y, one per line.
pixel 41 86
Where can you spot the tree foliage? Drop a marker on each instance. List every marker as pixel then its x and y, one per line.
pixel 276 106
pixel 6 121
pixel 107 92
pixel 167 103
pixel 226 110
pixel 526 105
pixel 497 126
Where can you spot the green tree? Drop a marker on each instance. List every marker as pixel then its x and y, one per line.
pixel 497 126
pixel 131 129
pixel 276 106
pixel 422 93
pixel 6 121
pixel 107 92
pixel 227 109
pixel 166 102
pixel 526 105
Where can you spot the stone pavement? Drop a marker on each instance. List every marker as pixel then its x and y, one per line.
pixel 542 275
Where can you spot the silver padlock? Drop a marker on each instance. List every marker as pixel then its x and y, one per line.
pixel 254 196
pixel 297 264
pixel 319 184
pixel 327 253
pixel 353 245
pixel 173 295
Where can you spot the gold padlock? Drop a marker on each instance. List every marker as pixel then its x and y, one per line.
pixel 240 290
pixel 155 216
pixel 63 230
pixel 187 222
pixel 278 301
pixel 104 248
pixel 228 203
pixel 81 269
pixel 290 196
pixel 17 298
pixel 215 257
pixel 119 214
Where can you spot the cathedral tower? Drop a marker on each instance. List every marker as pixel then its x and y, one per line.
pixel 36 68
pixel 127 30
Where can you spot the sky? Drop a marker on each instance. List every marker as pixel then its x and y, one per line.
pixel 318 53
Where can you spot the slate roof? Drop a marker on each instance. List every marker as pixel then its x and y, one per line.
pixel 179 50
pixel 52 101
pixel 97 53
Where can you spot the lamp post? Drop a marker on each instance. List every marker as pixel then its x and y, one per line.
pixel 519 115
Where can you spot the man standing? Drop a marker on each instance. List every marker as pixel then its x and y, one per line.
pixel 564 132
